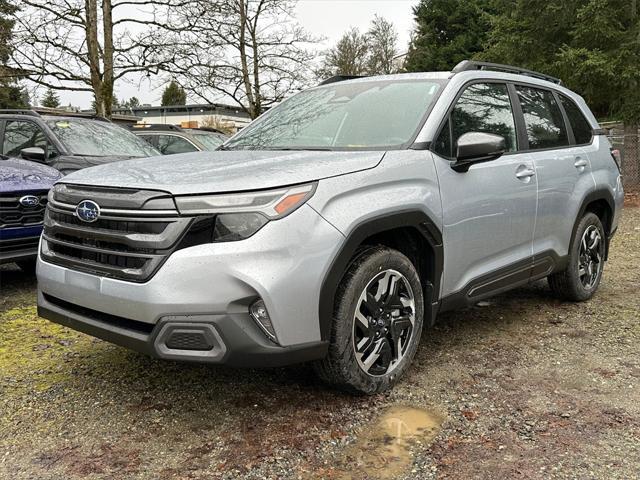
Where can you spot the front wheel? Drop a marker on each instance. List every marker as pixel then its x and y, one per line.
pixel 377 322
pixel 581 278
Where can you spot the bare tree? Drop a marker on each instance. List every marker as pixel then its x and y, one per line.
pixel 87 45
pixel 383 46
pixel 348 57
pixel 251 51
pixel 371 53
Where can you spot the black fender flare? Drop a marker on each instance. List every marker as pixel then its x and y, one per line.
pixel 372 226
pixel 599 194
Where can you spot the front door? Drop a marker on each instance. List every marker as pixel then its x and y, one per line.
pixel 488 212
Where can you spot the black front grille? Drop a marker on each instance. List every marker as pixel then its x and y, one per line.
pixel 124 243
pixel 14 214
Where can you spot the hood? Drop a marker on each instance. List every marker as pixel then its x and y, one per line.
pixel 91 160
pixel 225 171
pixel 22 175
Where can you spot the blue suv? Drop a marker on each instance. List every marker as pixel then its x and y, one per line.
pixel 23 196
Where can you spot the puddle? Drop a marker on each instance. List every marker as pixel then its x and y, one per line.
pixel 384 452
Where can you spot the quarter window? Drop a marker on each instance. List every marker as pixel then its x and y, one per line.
pixel 483 107
pixel 582 130
pixel 543 119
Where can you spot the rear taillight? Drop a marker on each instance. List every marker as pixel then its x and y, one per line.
pixel 617 157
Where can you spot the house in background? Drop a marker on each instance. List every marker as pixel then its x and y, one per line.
pixel 211 115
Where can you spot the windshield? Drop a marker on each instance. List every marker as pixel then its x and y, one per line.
pixel 210 140
pixel 97 138
pixel 374 114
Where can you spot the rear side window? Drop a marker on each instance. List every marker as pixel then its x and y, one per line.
pixel 582 131
pixel 543 119
pixel 482 107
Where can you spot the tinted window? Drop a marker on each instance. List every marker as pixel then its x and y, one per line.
pixel 170 144
pixel 482 107
pixel 543 119
pixel 581 128
pixel 96 138
pixel 19 135
pixel 361 114
pixel 442 144
pixel 150 139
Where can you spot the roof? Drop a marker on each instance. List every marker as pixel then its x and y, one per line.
pixel 185 108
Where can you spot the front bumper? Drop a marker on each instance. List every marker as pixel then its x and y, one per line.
pixel 231 339
pixel 208 289
pixel 18 249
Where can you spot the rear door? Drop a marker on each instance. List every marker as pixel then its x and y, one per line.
pixel 562 166
pixel 488 212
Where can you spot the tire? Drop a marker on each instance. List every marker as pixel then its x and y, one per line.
pixel 27 266
pixel 577 282
pixel 401 310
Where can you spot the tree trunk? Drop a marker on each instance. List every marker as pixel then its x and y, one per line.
pixel 631 160
pixel 107 78
pixel 93 48
pixel 243 59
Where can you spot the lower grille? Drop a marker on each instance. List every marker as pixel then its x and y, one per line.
pixel 120 322
pixel 18 244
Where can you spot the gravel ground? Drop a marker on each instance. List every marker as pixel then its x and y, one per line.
pixel 523 386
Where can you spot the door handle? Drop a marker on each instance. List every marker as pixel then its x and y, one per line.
pixel 580 163
pixel 525 173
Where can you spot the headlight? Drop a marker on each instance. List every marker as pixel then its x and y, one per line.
pixel 273 204
pixel 232 217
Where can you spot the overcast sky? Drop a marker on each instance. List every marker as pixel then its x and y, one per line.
pixel 326 18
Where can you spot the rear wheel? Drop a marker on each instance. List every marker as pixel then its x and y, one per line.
pixel 581 278
pixel 377 322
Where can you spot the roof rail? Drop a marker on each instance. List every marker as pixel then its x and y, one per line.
pixel 13 111
pixel 340 78
pixel 467 65
pixel 155 126
pixel 209 129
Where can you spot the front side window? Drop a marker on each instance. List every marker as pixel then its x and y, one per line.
pixel 170 144
pixel 482 107
pixel 210 140
pixel 582 131
pixel 95 138
pixel 543 119
pixel 19 135
pixel 343 115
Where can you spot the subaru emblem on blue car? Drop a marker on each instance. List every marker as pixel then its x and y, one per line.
pixel 29 201
pixel 88 211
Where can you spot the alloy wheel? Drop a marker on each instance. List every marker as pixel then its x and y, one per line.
pixel 590 259
pixel 383 323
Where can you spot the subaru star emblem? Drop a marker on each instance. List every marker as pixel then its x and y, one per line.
pixel 29 201
pixel 88 211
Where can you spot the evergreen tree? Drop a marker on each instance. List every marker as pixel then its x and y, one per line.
pixel 11 94
pixel 50 99
pixel 447 32
pixel 173 94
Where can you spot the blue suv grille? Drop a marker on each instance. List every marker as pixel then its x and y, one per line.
pixel 13 214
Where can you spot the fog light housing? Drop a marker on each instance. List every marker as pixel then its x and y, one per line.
pixel 258 311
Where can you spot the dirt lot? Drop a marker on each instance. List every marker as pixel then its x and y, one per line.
pixel 524 386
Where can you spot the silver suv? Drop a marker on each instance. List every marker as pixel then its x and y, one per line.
pixel 337 226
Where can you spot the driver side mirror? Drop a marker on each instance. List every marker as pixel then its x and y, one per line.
pixel 478 147
pixel 36 154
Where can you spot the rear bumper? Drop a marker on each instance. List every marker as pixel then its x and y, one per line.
pixel 230 339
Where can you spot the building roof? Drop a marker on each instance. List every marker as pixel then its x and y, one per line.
pixel 204 107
